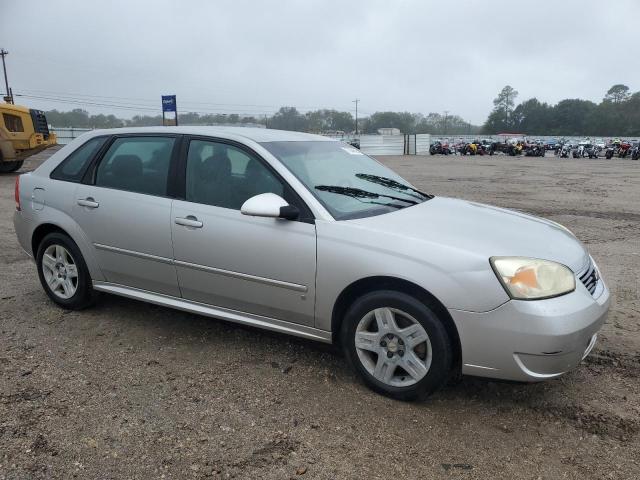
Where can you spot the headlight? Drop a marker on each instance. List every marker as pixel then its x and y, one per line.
pixel 530 278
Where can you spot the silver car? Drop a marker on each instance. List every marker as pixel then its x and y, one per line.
pixel 308 236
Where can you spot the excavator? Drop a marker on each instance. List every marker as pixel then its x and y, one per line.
pixel 23 132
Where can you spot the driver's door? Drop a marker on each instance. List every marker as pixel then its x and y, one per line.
pixel 262 266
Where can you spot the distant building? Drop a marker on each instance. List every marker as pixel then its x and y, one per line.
pixel 388 131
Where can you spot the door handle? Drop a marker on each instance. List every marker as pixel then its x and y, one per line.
pixel 88 202
pixel 189 221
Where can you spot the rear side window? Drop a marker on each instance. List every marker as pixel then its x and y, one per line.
pixel 12 122
pixel 73 167
pixel 137 164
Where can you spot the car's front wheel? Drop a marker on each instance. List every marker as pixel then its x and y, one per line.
pixel 397 344
pixel 9 167
pixel 63 272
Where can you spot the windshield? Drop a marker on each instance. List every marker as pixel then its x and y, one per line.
pixel 347 182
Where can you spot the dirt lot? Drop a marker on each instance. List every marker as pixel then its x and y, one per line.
pixel 129 390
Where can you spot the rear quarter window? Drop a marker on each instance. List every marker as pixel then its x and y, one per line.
pixel 73 167
pixel 137 164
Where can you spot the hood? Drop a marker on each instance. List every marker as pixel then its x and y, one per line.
pixel 482 230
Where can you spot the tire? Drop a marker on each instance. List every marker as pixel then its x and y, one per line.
pixel 428 362
pixel 57 254
pixel 10 167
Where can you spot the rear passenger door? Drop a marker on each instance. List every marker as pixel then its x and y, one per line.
pixel 123 207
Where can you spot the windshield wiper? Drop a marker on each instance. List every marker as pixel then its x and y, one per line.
pixel 359 193
pixel 391 183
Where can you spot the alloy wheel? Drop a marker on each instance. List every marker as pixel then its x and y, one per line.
pixel 393 347
pixel 60 271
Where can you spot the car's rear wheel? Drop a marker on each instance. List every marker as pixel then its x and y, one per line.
pixel 63 272
pixel 397 344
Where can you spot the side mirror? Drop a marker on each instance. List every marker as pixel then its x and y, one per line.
pixel 269 205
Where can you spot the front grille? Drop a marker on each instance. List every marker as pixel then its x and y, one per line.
pixel 40 123
pixel 589 277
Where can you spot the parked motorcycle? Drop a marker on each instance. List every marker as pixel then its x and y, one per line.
pixel 536 149
pixel 635 151
pixel 624 150
pixel 496 147
pixel 610 151
pixel 514 149
pixel 487 146
pixel 593 151
pixel 474 148
pixel 565 150
pixel 439 148
pixel 469 149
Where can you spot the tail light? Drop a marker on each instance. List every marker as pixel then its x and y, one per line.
pixel 17 193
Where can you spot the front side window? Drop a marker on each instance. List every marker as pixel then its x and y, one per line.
pixel 72 168
pixel 137 164
pixel 13 122
pixel 225 176
pixel 348 183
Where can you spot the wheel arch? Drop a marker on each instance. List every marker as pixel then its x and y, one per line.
pixel 370 284
pixel 42 231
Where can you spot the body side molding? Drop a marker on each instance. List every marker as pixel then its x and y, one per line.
pixel 227 273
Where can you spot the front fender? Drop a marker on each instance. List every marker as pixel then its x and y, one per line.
pixel 458 279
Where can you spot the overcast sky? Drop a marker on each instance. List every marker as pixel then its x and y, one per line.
pixel 255 56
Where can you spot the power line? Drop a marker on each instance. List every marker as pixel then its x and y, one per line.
pixel 137 99
pixel 134 107
pixel 182 102
pixel 73 100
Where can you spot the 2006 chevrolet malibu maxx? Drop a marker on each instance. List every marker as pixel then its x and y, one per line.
pixel 301 234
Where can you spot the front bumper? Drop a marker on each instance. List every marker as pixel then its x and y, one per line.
pixel 532 340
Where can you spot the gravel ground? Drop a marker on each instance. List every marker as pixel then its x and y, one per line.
pixel 130 390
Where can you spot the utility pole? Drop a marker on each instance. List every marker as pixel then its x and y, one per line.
pixel 356 102
pixel 446 117
pixel 9 96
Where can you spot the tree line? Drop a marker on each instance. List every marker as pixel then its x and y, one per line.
pixel 286 118
pixel 617 114
pixel 83 119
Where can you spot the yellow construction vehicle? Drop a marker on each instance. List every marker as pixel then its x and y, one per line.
pixel 23 132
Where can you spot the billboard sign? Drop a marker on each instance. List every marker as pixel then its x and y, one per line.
pixel 169 105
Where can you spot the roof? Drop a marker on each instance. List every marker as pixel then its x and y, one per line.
pixel 256 134
pixel 8 107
